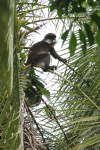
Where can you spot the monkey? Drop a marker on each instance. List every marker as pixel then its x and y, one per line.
pixel 39 54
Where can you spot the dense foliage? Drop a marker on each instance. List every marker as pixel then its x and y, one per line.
pixel 89 31
pixel 58 110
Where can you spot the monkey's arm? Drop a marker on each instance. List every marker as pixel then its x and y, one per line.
pixel 56 56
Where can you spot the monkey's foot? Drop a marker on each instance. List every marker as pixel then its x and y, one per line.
pixel 53 67
pixel 50 67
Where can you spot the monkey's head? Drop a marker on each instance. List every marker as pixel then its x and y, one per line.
pixel 50 38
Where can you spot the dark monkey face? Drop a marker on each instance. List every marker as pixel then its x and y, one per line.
pixel 50 38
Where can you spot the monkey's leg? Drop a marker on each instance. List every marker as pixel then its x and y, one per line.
pixel 44 61
pixel 47 64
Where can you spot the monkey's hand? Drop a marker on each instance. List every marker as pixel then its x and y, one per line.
pixel 64 61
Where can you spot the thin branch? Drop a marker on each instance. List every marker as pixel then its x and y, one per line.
pixel 32 3
pixel 74 85
pixel 36 143
pixel 38 128
pixel 77 74
pixel 55 119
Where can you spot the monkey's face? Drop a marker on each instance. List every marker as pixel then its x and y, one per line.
pixel 50 38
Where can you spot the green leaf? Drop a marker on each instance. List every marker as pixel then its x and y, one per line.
pixel 49 111
pixel 45 92
pixel 78 10
pixel 82 36
pixel 53 6
pixel 72 44
pixel 83 40
pixel 93 4
pixel 60 12
pixel 89 34
pixel 98 38
pixel 80 2
pixel 96 19
pixel 64 35
pixel 58 2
